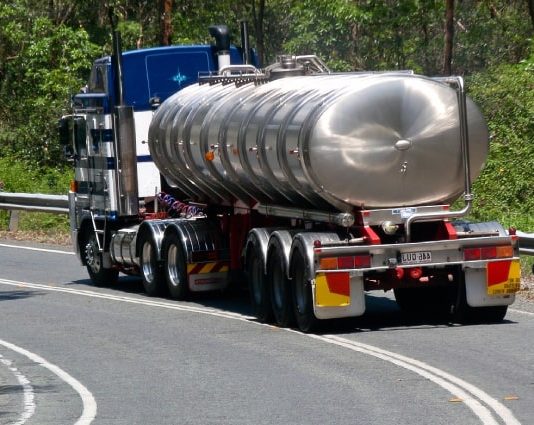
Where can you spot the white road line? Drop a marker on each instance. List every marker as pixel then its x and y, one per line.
pixel 470 394
pixel 27 389
pixel 527 313
pixel 29 248
pixel 89 404
pixel 502 411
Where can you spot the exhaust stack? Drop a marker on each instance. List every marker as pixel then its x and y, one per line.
pixel 245 43
pixel 124 140
pixel 222 44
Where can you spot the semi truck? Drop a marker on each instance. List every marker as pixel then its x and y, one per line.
pixel 196 168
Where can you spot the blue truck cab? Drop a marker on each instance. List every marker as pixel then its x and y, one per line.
pixel 150 75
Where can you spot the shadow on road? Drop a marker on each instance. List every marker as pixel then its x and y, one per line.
pixel 18 295
pixel 382 312
pixel 128 284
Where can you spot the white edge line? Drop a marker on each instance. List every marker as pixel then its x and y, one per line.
pixel 27 389
pixel 504 413
pixel 29 248
pixel 478 409
pixel 513 310
pixel 89 403
pixel 417 366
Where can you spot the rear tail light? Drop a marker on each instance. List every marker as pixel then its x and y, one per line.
pixel 343 263
pixel 416 273
pixel 488 253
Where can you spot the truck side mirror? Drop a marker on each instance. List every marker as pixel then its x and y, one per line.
pixel 72 135
pixel 63 130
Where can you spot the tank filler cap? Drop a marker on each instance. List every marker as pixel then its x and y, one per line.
pixel 403 145
pixel 287 66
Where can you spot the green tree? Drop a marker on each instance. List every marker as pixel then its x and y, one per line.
pixel 505 190
pixel 44 65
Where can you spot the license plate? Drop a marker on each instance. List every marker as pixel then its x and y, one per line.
pixel 419 257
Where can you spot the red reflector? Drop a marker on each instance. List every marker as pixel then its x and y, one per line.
pixel 345 262
pixel 488 252
pixel 399 273
pixel 317 244
pixel 362 261
pixel 472 254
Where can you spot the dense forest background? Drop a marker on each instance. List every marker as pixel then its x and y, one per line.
pixel 47 47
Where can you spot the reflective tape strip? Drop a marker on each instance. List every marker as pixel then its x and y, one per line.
pixel 332 289
pixel 204 268
pixel 503 277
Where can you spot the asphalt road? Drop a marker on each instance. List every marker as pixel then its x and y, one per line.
pixel 73 353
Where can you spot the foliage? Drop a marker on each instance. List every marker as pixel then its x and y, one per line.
pixel 46 49
pixel 407 34
pixel 20 176
pixel 505 190
pixel 45 65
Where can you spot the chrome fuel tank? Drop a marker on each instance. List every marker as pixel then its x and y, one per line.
pixel 320 141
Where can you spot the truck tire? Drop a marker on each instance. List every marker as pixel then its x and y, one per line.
pixel 280 287
pixel 99 275
pixel 302 295
pixel 151 271
pixel 175 268
pixel 465 314
pixel 260 296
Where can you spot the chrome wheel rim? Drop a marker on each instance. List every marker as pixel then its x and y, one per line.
pixel 91 256
pixel 148 262
pixel 173 271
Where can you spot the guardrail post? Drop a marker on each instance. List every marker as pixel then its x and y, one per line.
pixel 13 220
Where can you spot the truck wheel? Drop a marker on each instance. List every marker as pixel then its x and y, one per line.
pixel 465 314
pixel 99 275
pixel 175 268
pixel 302 295
pixel 280 289
pixel 259 289
pixel 151 273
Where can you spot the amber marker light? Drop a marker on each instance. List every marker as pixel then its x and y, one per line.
pixel 328 263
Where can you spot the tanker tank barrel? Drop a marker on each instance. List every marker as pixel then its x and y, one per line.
pixel 313 140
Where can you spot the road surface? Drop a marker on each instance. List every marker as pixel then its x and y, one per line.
pixel 74 353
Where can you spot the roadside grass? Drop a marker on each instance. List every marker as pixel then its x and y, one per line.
pixel 25 177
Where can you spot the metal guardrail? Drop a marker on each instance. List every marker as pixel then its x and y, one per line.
pixel 36 202
pixel 56 204
pixel 526 243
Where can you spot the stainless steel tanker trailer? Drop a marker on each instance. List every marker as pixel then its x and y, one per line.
pixel 313 186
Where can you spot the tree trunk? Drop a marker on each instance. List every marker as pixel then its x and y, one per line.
pixel 166 22
pixel 449 37
pixel 258 16
pixel 531 11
